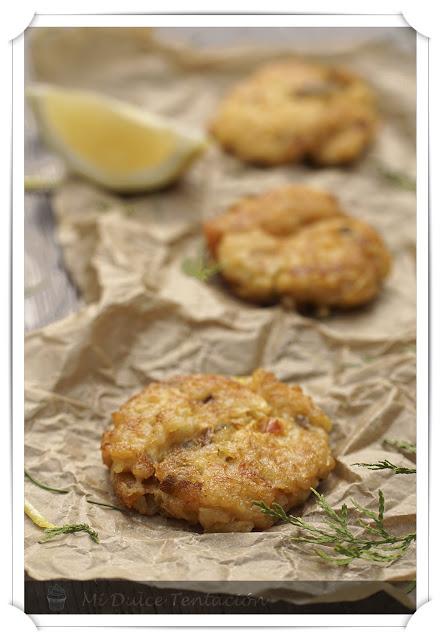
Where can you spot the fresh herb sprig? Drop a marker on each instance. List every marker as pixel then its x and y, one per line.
pixel 200 267
pixel 411 586
pixel 51 532
pixel 46 487
pixel 105 505
pixel 375 545
pixel 385 464
pixel 397 178
pixel 402 445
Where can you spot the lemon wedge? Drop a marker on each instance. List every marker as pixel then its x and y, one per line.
pixel 116 145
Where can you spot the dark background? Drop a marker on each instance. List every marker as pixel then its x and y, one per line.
pixel 123 597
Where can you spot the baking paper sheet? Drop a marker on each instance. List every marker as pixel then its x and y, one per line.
pixel 144 320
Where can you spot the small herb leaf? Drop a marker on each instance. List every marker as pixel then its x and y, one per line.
pixel 397 178
pixel 200 267
pixel 385 464
pixel 46 487
pixel 401 445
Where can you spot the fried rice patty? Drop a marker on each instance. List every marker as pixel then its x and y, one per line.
pixel 290 110
pixel 296 242
pixel 204 447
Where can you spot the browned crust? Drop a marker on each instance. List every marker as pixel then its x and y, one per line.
pixel 291 110
pixel 250 439
pixel 296 242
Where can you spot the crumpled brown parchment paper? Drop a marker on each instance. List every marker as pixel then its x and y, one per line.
pixel 145 320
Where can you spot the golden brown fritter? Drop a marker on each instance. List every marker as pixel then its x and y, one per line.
pixel 296 242
pixel 204 447
pixel 288 111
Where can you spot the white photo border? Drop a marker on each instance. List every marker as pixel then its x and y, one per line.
pixel 392 20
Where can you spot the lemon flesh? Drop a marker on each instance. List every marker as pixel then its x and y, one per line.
pixel 117 145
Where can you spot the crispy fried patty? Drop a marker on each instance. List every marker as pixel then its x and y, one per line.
pixel 204 447
pixel 296 242
pixel 287 111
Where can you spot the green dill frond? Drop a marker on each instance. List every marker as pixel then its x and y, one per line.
pixel 340 546
pixel 46 487
pixel 411 586
pixel 384 464
pixel 397 178
pixel 52 532
pixel 200 267
pixel 401 445
pixel 106 505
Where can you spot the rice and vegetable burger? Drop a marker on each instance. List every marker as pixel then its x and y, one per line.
pixel 297 242
pixel 204 447
pixel 293 110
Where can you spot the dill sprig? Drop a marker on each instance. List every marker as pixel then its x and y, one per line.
pixel 384 464
pixel 397 178
pixel 402 445
pixel 106 505
pixel 52 532
pixel 376 544
pixel 411 586
pixel 200 267
pixel 46 487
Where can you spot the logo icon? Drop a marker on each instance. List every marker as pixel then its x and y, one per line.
pixel 56 597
